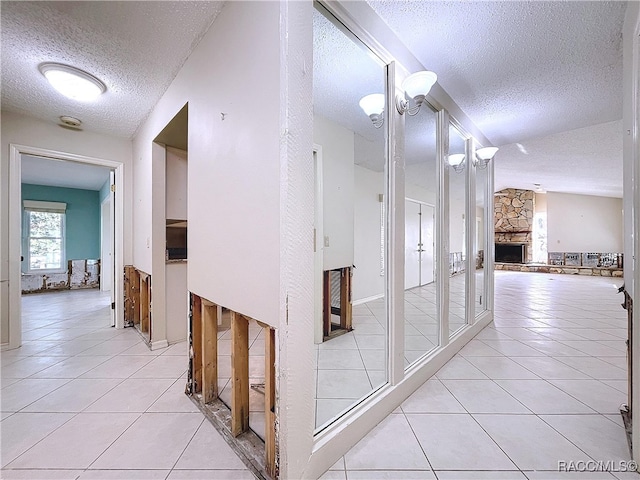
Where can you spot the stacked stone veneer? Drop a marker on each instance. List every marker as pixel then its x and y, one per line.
pixel 596 271
pixel 513 217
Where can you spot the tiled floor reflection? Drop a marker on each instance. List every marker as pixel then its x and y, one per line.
pixel 353 365
pixel 541 384
pixel 82 400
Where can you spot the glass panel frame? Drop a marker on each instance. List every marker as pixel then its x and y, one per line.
pixel 458 243
pixel 382 200
pixel 482 235
pixel 420 295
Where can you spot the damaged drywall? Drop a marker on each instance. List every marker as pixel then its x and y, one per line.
pixel 80 274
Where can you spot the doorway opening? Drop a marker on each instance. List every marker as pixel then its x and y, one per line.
pixel 419 244
pixel 57 242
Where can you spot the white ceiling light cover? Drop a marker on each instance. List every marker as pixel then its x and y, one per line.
pixel 455 159
pixel 73 82
pixel 372 104
pixel 486 153
pixel 419 83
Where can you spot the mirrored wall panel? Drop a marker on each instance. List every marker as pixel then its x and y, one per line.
pixel 349 136
pixel 420 309
pixel 458 165
pixel 483 210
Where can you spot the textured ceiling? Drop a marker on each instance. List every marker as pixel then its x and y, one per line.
pixel 60 173
pixel 136 48
pixel 519 70
pixel 524 72
pixel 343 73
pixel 585 161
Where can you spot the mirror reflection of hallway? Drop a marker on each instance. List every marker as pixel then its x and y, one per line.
pixel 419 246
pixel 350 219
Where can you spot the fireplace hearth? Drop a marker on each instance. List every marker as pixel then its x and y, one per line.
pixel 511 253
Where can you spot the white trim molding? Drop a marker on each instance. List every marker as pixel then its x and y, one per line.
pixel 15 230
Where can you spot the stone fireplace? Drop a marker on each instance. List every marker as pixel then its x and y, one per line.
pixel 513 224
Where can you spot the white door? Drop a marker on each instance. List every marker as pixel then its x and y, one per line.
pixel 106 257
pixel 112 237
pixel 411 244
pixel 426 239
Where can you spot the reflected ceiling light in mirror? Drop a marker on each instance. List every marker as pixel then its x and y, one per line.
pixel 72 82
pixel 456 161
pixel 373 106
pixel 484 156
pixel 416 86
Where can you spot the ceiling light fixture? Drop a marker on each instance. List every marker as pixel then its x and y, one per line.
pixel 373 106
pixel 456 161
pixel 72 82
pixel 416 87
pixel 484 156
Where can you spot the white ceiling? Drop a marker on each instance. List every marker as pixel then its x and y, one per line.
pixel 136 48
pixel 519 70
pixel 585 161
pixel 60 173
pixel 528 72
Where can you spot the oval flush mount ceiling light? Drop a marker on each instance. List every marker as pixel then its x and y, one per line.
pixel 73 82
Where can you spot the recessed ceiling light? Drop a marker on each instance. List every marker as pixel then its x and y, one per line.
pixel 73 82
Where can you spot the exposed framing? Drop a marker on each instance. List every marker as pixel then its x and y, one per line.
pixel 330 330
pixel 15 225
pixel 209 351
pixel 233 422
pixel 239 374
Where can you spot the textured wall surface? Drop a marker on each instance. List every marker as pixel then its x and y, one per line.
pixel 514 210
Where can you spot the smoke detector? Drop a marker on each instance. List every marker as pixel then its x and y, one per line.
pixel 71 122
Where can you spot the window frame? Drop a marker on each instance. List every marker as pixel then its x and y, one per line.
pixel 44 207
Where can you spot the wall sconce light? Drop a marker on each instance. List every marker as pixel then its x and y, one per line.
pixel 456 161
pixel 373 106
pixel 416 86
pixel 484 156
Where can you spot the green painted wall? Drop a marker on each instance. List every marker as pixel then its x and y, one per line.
pixel 82 220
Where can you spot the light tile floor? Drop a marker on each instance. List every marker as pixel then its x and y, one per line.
pixel 82 400
pixel 542 384
pixel 351 366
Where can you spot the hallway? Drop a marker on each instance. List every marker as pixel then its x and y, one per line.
pixel 542 384
pixel 83 400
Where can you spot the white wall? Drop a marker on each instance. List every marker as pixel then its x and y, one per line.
pixel 176 181
pixel 480 228
pixel 540 203
pixel 176 301
pixel 234 167
pixel 31 132
pixel 583 223
pixel 631 151
pixel 338 154
pixel 367 281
